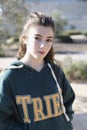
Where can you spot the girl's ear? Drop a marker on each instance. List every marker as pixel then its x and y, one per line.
pixel 24 39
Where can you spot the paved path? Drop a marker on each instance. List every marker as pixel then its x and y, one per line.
pixel 4 62
pixel 80 106
pixel 74 57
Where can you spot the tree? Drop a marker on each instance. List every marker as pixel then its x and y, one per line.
pixel 14 13
pixel 12 16
pixel 59 22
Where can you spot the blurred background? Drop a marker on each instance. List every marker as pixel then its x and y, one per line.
pixel 70 43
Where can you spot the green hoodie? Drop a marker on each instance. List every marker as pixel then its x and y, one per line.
pixel 30 100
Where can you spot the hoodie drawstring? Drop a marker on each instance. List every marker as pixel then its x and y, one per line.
pixel 59 89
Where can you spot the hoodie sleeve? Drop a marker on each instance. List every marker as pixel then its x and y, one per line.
pixel 68 94
pixel 7 120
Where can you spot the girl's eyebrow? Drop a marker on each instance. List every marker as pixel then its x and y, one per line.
pixel 41 36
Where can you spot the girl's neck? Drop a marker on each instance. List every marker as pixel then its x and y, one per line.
pixel 37 65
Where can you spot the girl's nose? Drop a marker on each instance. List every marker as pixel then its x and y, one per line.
pixel 42 44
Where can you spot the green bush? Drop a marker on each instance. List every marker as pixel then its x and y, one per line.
pixel 65 38
pixel 2 53
pixel 85 33
pixel 12 39
pixel 76 71
pixel 72 32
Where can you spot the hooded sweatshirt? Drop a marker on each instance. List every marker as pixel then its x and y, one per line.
pixel 31 100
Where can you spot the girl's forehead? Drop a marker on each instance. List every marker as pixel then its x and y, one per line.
pixel 42 30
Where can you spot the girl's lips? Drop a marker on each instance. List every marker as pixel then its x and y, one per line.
pixel 41 52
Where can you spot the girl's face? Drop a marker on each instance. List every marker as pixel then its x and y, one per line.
pixel 38 41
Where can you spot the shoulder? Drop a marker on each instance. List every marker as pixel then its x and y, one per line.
pixel 6 78
pixel 5 74
pixel 57 68
pixel 10 71
pixel 60 75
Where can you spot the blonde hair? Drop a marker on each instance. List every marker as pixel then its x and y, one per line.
pixel 36 18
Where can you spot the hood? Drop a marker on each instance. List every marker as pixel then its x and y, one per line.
pixel 16 64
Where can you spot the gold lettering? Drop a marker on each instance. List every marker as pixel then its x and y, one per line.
pixel 24 100
pixel 56 103
pixel 38 109
pixel 51 101
pixel 48 106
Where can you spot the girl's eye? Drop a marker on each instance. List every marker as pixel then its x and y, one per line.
pixel 37 38
pixel 49 40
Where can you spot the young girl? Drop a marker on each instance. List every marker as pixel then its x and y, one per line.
pixel 34 92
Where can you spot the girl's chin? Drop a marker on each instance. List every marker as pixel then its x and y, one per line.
pixel 39 57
